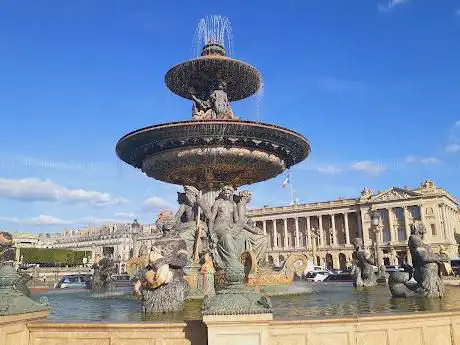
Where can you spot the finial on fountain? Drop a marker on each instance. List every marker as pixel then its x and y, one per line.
pixel 213 48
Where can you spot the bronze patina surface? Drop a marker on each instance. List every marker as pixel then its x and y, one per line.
pixel 213 153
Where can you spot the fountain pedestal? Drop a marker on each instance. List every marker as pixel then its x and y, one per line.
pixel 241 329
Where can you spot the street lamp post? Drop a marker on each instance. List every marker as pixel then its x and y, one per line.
pixel 135 228
pixel 314 235
pixel 376 222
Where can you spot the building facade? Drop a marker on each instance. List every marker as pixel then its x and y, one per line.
pixel 324 231
pixel 118 240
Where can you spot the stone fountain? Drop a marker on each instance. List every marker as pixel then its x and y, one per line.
pixel 211 155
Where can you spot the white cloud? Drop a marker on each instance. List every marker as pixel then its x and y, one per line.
pixel 33 189
pixel 422 160
pixel 126 214
pixel 390 4
pixel 453 148
pixel 157 203
pixel 368 167
pixel 51 220
pixel 324 168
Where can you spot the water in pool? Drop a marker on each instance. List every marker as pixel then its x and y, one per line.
pixel 323 300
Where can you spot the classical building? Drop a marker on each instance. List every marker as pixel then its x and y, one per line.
pixel 324 231
pixel 119 240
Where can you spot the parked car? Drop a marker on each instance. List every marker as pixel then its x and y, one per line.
pixel 72 281
pixel 122 280
pixel 339 278
pixel 317 276
pixel 309 269
pixel 393 268
pixel 455 265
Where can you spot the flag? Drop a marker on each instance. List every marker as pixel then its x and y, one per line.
pixel 286 182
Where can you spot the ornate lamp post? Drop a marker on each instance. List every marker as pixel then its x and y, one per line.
pixel 135 229
pixel 314 235
pixel 376 223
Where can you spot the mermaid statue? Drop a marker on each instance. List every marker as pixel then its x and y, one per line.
pixel 426 271
pixel 363 269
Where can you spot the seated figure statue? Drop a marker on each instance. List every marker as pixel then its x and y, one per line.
pixel 256 240
pixel 185 220
pixel 426 271
pixel 215 107
pixel 363 269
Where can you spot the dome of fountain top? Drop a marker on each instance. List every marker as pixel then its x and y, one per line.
pixel 203 74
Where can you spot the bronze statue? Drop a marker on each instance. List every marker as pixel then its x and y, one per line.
pixel 186 218
pixel 256 239
pixel 363 269
pixel 161 283
pixel 426 273
pixel 216 107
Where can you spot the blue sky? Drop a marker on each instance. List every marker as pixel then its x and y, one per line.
pixel 374 86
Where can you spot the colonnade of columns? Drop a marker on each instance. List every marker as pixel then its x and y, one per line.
pixel 299 231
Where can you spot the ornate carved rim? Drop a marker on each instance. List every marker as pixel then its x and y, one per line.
pixel 243 80
pixel 140 145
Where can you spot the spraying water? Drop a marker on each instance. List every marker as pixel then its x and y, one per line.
pixel 213 29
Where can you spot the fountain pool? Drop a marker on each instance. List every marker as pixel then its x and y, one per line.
pixel 323 300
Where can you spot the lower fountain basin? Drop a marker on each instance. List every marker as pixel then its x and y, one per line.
pixel 213 153
pixel 320 300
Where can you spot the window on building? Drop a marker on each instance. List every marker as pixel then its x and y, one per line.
pixel 433 229
pixel 399 214
pixel 402 234
pixel 415 212
pixel 386 235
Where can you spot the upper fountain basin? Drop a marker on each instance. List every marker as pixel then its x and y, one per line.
pixel 202 74
pixel 211 154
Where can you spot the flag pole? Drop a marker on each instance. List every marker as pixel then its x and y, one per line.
pixel 290 187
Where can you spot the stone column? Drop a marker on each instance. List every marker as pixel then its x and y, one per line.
pixel 321 235
pixel 443 222
pixel 275 235
pixel 285 242
pixel 406 222
pixel 409 257
pixel 438 220
pixel 347 229
pixel 264 226
pixel 296 241
pixel 308 242
pixel 334 232
pixel 393 235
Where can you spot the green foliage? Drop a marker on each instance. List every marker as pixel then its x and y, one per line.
pixel 53 256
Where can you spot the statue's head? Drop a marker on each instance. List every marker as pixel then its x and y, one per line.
pixel 357 243
pixel 417 229
pixel 191 193
pixel 245 195
pixel 222 85
pixel 227 192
